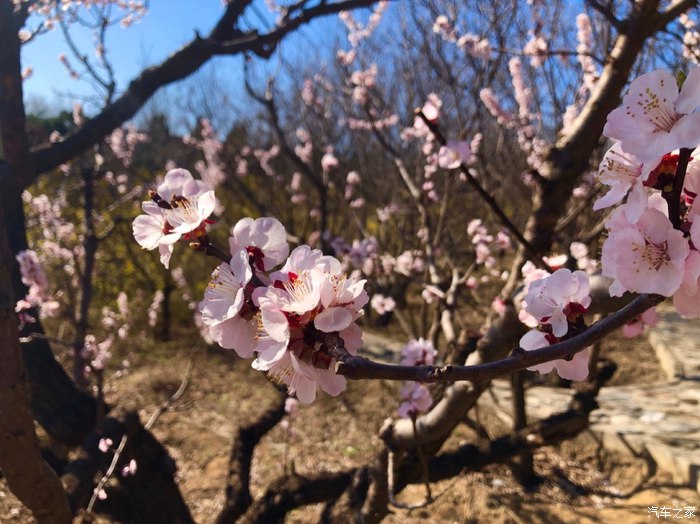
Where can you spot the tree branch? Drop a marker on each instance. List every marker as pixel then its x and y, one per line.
pixel 224 39
pixel 354 367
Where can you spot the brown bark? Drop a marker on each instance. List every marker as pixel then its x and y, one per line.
pixel 523 465
pixel 28 475
pixel 66 413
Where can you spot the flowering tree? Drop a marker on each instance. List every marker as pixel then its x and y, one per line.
pixel 297 312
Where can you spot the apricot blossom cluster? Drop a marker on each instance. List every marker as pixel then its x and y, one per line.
pixel 653 235
pixel 554 304
pixel 281 318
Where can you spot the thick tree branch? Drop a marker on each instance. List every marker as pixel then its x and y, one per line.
pixel 570 157
pixel 28 475
pixel 674 10
pixel 224 39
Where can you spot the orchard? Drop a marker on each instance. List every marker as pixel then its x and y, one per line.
pixel 283 273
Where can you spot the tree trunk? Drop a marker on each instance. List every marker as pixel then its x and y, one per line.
pixel 28 475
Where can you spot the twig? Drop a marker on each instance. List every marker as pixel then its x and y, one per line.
pixel 488 199
pixel 210 250
pixel 354 367
pixel 34 336
pixel 151 422
pixel 167 404
pixel 674 199
pixel 105 478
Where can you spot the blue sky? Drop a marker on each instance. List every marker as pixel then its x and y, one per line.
pixel 168 25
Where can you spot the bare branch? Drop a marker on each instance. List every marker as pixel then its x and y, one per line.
pixel 354 367
pixel 488 199
pixel 224 39
pixel 606 11
pixel 674 10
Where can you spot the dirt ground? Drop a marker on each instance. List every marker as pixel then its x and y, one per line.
pixel 582 482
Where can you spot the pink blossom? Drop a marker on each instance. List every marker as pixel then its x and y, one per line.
pixel 624 172
pixel 223 306
pixel 105 444
pixel 329 161
pixel 686 298
pixel 416 399
pixel 691 38
pixel 580 253
pixel 536 48
pixel 129 469
pixel 353 178
pixel 346 57
pixel 386 212
pixel 419 352
pixel 494 106
pixel 443 27
pixel 574 369
pixel 123 142
pixel 475 226
pixel 33 276
pixel 263 239
pixel 523 94
pixel 291 406
pixel 578 250
pixel 310 297
pixel 498 305
pixel 635 328
pixel 553 299
pixel 503 240
pixel 475 146
pixel 382 304
pixel 482 253
pixel 362 250
pixel 295 184
pixel 474 45
pixel 556 261
pixel 584 49
pixel 454 153
pixel 431 108
pixel 180 206
pixel 655 118
pixel 97 353
pixel 154 308
pixel 645 257
pixel 409 262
